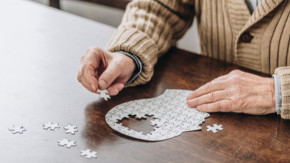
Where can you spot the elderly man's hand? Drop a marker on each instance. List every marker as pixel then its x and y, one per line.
pixel 237 91
pixel 105 70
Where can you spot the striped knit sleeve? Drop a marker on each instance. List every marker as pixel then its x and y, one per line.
pixel 284 75
pixel 149 28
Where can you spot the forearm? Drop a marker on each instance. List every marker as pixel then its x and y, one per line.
pixel 148 29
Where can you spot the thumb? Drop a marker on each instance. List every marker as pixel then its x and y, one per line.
pixel 108 76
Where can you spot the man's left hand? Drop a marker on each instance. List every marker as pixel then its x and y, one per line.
pixel 238 92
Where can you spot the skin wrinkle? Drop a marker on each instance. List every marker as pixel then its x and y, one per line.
pixel 244 93
pixel 147 32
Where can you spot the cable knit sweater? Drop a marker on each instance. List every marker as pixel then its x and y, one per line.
pixel 227 31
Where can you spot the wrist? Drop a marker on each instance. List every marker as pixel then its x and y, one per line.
pixel 272 85
pixel 137 65
pixel 128 62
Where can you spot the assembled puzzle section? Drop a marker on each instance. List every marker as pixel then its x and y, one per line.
pixel 172 116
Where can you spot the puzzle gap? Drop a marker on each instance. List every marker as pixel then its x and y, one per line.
pixel 138 125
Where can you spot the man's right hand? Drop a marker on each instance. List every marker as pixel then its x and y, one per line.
pixel 101 69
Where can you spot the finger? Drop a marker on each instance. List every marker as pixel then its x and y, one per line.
pixel 108 76
pixel 87 78
pixel 207 88
pixel 208 98
pixel 115 88
pixel 219 106
pixel 90 64
pixel 90 77
pixel 95 56
pixel 86 85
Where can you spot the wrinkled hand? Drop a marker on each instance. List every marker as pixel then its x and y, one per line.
pixel 238 92
pixel 105 70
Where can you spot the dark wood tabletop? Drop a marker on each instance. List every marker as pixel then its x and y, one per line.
pixel 40 50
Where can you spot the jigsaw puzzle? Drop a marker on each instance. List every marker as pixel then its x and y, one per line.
pixel 70 129
pixel 104 94
pixel 67 143
pixel 172 116
pixel 17 129
pixel 89 153
pixel 214 128
pixel 50 125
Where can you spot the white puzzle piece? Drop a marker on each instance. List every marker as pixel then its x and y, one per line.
pixel 70 129
pixel 17 129
pixel 89 153
pixel 67 143
pixel 214 128
pixel 104 94
pixel 50 125
pixel 172 116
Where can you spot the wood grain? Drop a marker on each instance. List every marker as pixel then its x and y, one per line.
pixel 120 4
pixel 245 138
pixel 38 68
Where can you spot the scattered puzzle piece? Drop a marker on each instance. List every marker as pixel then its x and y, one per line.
pixel 51 126
pixel 17 129
pixel 67 143
pixel 214 128
pixel 70 129
pixel 104 94
pixel 89 153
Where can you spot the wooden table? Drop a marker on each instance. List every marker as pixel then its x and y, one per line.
pixel 40 50
pixel 120 4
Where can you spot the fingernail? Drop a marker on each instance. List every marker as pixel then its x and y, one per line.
pixel 102 84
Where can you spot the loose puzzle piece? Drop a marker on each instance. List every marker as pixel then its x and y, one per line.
pixel 104 94
pixel 50 125
pixel 89 153
pixel 17 129
pixel 214 128
pixel 67 143
pixel 70 129
pixel 172 116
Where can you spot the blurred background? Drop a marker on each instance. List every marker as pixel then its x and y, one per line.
pixel 110 12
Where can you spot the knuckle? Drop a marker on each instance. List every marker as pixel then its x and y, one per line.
pixel 83 57
pixel 94 50
pixel 208 86
pixel 218 106
pixel 91 49
pixel 236 72
pixel 235 79
pixel 211 96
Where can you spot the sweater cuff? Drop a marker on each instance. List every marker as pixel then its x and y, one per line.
pixel 138 43
pixel 138 65
pixel 284 75
pixel 278 94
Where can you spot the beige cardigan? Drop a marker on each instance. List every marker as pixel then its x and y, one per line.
pixel 227 32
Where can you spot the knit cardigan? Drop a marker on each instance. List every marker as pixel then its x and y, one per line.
pixel 227 32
